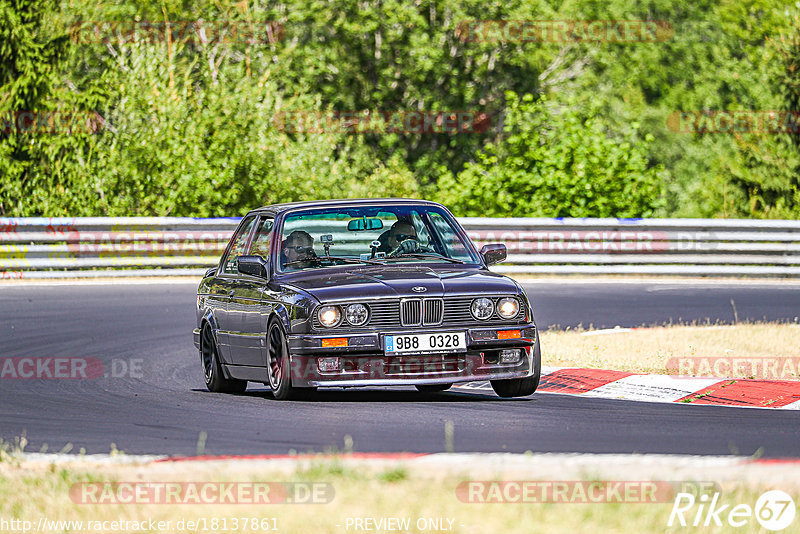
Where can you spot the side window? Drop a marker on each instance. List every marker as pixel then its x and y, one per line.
pixel 262 239
pixel 229 266
pixel 423 236
pixel 453 245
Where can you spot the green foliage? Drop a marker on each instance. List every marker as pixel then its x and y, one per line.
pixel 555 163
pixel 43 172
pixel 212 148
pixel 190 130
pixel 401 55
pixel 719 58
pixel 188 124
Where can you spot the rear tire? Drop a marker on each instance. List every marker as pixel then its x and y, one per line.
pixel 433 388
pixel 521 387
pixel 278 365
pixel 212 368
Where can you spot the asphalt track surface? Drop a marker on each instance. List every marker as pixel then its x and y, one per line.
pixel 163 407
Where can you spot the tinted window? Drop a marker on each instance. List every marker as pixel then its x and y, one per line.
pixel 262 239
pixel 229 266
pixel 452 244
pixel 310 236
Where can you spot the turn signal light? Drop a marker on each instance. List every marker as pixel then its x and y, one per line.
pixel 336 342
pixel 509 334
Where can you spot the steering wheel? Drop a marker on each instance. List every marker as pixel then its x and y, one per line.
pixel 407 246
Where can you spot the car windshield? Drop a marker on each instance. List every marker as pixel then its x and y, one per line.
pixel 388 234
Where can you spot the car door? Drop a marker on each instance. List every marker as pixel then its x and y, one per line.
pixel 247 309
pixel 224 287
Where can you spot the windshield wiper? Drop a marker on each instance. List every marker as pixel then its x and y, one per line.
pixel 343 259
pixel 427 255
pixel 350 260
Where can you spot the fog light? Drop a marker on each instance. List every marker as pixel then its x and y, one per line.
pixel 328 364
pixel 510 355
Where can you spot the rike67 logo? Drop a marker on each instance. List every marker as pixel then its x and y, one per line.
pixel 774 510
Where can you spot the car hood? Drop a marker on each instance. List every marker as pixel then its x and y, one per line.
pixel 391 282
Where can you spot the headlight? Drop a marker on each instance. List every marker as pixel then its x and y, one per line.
pixel 356 314
pixel 329 316
pixel 482 308
pixel 508 307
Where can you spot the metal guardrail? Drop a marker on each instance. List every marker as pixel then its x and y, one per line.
pixel 168 246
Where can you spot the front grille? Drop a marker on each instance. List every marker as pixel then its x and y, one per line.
pixel 415 313
pixel 432 312
pixel 411 312
pixel 425 312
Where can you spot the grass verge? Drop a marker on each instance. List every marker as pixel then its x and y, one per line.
pixel 425 494
pixel 648 350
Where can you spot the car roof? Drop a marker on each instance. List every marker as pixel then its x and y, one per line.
pixel 286 206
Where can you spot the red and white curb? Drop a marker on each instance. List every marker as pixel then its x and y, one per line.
pixel 782 394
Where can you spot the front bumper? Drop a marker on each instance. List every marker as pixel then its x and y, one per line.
pixel 363 362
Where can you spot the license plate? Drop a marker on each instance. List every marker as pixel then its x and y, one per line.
pixel 425 343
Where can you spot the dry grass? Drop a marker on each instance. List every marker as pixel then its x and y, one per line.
pixel 400 491
pixel 647 350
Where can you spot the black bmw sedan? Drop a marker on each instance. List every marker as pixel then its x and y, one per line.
pixel 349 293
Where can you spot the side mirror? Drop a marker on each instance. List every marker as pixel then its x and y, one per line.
pixel 254 266
pixel 493 253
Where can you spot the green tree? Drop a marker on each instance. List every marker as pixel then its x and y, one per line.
pixel 554 163
pixel 43 166
pixel 192 133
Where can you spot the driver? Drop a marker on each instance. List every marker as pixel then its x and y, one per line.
pixel 298 247
pixel 402 237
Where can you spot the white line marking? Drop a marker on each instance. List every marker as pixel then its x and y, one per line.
pixel 793 406
pixel 615 330
pixel 653 388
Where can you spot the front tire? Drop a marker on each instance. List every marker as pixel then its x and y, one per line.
pixel 521 387
pixel 278 365
pixel 212 368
